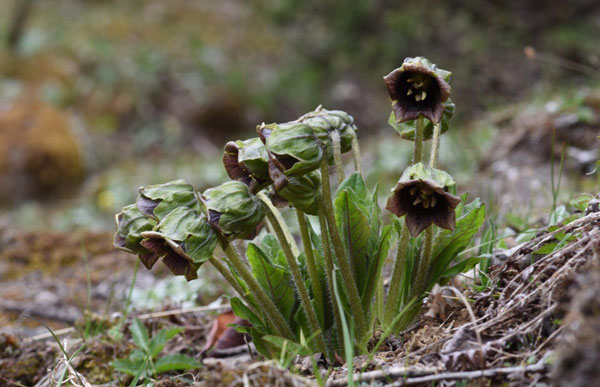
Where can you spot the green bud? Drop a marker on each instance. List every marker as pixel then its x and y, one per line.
pixel 130 225
pixel 294 148
pixel 156 201
pixel 183 240
pixel 301 192
pixel 325 121
pixel 247 161
pixel 233 210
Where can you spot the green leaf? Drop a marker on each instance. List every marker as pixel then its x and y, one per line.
pixel 376 266
pixel 460 267
pixel 139 334
pixel 242 311
pixel 450 243
pixel 353 223
pixel 177 362
pixel 291 348
pixel 160 339
pixel 128 366
pixel 273 278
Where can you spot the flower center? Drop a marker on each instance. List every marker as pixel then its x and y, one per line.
pixel 418 84
pixel 424 196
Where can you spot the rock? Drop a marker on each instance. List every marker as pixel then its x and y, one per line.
pixel 39 155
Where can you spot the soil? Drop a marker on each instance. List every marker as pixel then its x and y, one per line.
pixel 513 333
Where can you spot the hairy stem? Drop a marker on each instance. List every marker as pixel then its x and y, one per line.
pixel 337 156
pixel 310 259
pixel 329 271
pixel 277 218
pixel 269 308
pixel 418 150
pixel 340 254
pixel 435 146
pixel 224 271
pixel 420 283
pixel 393 298
pixel 356 155
pixel 297 276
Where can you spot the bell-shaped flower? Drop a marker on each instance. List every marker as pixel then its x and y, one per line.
pixel 418 88
pixel 406 130
pixel 183 240
pixel 233 210
pixel 247 161
pixel 156 201
pixel 421 195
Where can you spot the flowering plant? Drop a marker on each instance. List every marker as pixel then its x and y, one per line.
pixel 289 294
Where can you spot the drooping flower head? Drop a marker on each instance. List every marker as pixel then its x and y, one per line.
pixel 232 210
pixel 421 195
pixel 183 240
pixel 418 88
pixel 247 161
pixel 293 147
pixel 406 130
pixel 301 192
pixel 324 122
pixel 157 201
pixel 130 225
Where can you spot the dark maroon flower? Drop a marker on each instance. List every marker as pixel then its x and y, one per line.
pixel 172 254
pixel 420 195
pixel 418 88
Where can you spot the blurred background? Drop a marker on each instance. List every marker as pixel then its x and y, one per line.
pixel 99 97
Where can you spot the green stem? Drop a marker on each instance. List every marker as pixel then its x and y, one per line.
pixel 310 259
pixel 393 299
pixel 356 155
pixel 277 218
pixel 297 276
pixel 420 283
pixel 337 156
pixel 418 150
pixel 340 254
pixel 270 310
pixel 435 146
pixel 329 271
pixel 224 271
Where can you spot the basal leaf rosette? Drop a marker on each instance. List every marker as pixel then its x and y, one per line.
pixel 247 161
pixel 130 225
pixel 232 210
pixel 157 201
pixel 301 193
pixel 406 130
pixel 421 194
pixel 418 88
pixel 293 148
pixel 183 240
